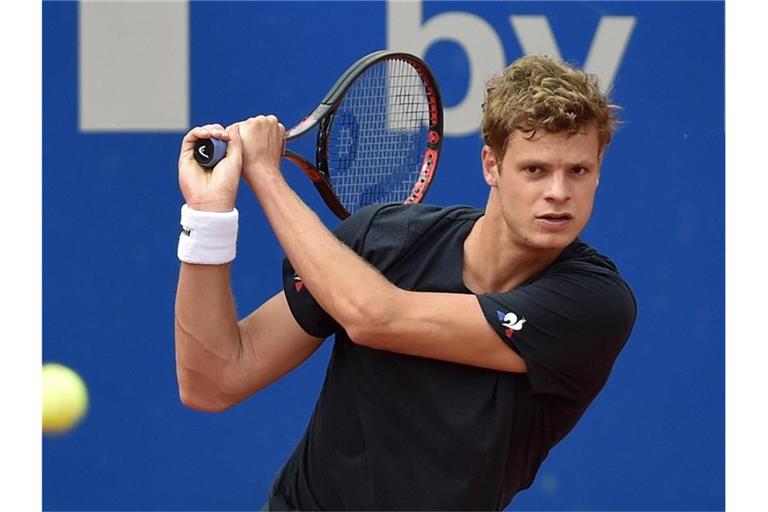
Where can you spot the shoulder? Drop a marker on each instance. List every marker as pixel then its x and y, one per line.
pixel 382 234
pixel 587 288
pixel 581 295
pixel 421 217
pixel 595 274
pixel 569 323
pixel 394 223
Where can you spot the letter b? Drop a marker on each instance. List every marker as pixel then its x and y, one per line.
pixel 476 37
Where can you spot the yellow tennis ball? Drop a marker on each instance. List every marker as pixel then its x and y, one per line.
pixel 65 398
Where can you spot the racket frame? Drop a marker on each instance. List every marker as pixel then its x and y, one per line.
pixel 322 117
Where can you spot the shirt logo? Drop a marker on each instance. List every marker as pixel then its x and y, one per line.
pixel 298 283
pixel 511 322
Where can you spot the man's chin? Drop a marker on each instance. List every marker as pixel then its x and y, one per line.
pixel 552 242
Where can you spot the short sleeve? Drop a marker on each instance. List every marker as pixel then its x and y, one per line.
pixel 569 326
pixel 307 312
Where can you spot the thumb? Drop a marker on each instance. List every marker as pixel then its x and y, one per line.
pixel 235 145
pixel 285 141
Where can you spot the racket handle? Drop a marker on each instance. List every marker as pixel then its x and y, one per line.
pixel 208 152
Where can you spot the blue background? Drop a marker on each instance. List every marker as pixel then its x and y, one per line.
pixel 653 440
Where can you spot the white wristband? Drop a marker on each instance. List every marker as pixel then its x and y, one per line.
pixel 208 238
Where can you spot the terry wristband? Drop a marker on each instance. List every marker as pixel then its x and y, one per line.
pixel 208 238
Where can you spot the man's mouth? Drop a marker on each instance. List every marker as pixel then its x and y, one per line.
pixel 555 217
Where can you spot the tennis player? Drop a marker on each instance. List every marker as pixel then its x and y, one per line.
pixel 468 342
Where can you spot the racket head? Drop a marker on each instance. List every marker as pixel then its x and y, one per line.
pixel 379 134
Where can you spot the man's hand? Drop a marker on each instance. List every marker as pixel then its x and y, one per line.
pixel 263 142
pixel 211 190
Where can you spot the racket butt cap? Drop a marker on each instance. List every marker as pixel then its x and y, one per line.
pixel 209 152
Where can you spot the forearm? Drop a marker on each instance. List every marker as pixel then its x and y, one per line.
pixel 374 312
pixel 207 334
pixel 344 284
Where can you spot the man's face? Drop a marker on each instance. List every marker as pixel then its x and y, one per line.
pixel 545 186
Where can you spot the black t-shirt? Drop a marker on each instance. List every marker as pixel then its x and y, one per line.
pixel 398 432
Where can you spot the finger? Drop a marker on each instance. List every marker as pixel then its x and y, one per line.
pixel 189 141
pixel 213 127
pixel 282 133
pixel 208 131
pixel 205 132
pixel 217 131
pixel 196 133
pixel 235 146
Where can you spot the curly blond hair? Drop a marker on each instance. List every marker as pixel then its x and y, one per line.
pixel 540 93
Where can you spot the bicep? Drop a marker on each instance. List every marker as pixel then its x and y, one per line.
pixel 446 326
pixel 272 344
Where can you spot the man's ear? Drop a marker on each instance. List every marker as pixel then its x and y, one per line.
pixel 599 166
pixel 490 166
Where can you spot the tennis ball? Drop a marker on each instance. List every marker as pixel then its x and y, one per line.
pixel 65 398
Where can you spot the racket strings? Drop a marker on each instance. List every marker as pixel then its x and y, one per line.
pixel 379 136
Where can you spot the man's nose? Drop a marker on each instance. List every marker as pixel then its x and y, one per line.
pixel 558 188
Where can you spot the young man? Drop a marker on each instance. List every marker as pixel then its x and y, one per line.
pixel 468 342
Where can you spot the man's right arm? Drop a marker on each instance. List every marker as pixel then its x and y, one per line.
pixel 220 361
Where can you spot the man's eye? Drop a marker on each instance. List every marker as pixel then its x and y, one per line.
pixel 578 171
pixel 532 169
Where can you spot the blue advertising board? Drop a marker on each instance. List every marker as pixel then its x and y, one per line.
pixel 122 83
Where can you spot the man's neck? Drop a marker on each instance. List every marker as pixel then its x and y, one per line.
pixel 493 262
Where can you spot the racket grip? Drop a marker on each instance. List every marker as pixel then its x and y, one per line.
pixel 208 152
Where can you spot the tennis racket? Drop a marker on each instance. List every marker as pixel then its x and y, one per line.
pixel 379 133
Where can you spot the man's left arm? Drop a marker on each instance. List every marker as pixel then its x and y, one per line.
pixel 374 312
